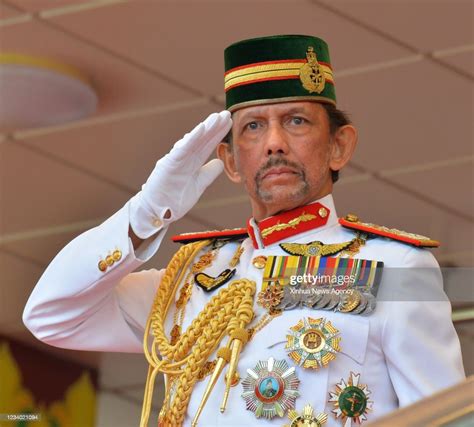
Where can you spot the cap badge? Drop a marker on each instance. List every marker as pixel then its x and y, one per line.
pixel 311 73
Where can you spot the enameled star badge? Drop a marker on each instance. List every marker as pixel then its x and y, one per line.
pixel 313 343
pixel 351 400
pixel 271 388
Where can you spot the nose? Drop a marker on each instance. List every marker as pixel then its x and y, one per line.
pixel 276 139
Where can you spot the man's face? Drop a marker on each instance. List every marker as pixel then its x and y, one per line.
pixel 282 153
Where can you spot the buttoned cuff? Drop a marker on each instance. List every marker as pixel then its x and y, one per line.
pixel 147 226
pixel 144 220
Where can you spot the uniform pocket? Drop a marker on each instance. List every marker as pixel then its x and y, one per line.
pixel 354 333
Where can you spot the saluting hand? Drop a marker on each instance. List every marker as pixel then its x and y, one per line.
pixel 180 177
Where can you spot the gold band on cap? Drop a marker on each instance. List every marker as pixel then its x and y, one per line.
pixel 270 70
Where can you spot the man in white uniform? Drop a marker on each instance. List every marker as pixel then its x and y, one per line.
pixel 220 321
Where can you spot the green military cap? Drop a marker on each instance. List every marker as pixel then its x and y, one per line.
pixel 273 69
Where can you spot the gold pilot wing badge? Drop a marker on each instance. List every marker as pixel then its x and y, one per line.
pixel 311 73
pixel 315 248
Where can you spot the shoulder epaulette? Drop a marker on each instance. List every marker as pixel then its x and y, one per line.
pixel 233 233
pixel 352 221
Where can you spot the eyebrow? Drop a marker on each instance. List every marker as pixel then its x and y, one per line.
pixel 258 113
pixel 296 110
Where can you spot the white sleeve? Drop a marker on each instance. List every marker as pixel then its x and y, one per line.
pixel 419 341
pixel 75 305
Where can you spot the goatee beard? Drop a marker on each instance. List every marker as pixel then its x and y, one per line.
pixel 268 196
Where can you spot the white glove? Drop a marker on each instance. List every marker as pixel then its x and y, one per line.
pixel 180 177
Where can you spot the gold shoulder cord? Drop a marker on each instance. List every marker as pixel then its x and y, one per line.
pixel 227 313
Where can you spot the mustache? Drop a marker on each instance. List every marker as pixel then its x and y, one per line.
pixel 278 161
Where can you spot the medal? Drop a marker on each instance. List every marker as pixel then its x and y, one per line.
pixel 362 305
pixel 349 302
pixel 271 388
pixel 351 400
pixel 334 301
pixel 370 306
pixel 313 343
pixel 288 300
pixel 271 297
pixel 307 418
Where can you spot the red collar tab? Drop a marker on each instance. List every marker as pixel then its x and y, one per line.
pixel 290 223
pixel 352 221
pixel 233 233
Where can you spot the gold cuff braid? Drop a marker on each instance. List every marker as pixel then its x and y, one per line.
pixel 225 314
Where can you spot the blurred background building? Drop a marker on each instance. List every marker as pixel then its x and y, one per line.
pixel 144 72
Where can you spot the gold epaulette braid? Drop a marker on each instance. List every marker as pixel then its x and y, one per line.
pixel 225 314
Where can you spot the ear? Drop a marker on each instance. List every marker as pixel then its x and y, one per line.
pixel 344 144
pixel 225 152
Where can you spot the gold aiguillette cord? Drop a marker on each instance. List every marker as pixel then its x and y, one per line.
pixel 230 353
pixel 227 313
pixel 186 254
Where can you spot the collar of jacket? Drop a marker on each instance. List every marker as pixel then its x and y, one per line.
pixel 290 223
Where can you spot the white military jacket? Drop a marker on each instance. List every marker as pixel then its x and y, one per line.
pixel 405 350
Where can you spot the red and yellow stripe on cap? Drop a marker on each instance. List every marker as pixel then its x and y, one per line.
pixel 283 69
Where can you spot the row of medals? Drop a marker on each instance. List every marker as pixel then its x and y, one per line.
pixel 270 388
